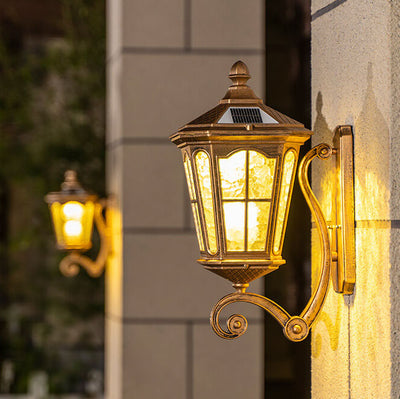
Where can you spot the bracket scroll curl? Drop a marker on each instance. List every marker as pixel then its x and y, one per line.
pixel 295 328
pixel 69 266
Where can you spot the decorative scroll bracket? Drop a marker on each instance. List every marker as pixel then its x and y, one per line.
pixel 296 328
pixel 69 266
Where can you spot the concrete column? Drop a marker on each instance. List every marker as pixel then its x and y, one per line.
pixel 168 63
pixel 356 80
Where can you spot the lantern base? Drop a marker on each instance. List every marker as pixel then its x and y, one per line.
pixel 239 273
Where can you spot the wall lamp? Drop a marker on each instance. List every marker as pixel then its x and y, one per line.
pixel 240 160
pixel 73 211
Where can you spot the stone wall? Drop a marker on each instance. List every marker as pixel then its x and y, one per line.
pixel 355 80
pixel 168 63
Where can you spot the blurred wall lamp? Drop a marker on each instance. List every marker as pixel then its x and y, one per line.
pixel 240 160
pixel 73 211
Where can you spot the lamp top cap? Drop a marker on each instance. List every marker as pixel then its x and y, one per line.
pixel 71 190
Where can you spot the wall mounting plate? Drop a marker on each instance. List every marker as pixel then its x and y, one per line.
pixel 343 271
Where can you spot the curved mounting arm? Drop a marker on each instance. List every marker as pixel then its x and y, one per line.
pixel 69 266
pixel 296 328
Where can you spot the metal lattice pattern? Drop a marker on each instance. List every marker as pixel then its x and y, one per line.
pixel 240 276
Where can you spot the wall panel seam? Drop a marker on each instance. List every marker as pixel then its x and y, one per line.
pixel 158 230
pixel 373 223
pixel 127 50
pixel 170 321
pixel 122 141
pixel 187 29
pixel 189 360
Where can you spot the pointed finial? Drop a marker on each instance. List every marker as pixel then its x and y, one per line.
pixel 71 181
pixel 239 74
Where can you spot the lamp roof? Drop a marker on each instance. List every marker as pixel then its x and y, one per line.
pixel 240 109
pixel 71 190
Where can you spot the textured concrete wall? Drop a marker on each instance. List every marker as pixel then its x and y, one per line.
pixel 168 63
pixel 355 80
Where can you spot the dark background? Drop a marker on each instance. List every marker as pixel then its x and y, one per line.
pixel 288 89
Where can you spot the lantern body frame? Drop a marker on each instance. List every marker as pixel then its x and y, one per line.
pixel 84 218
pixel 244 265
pixel 220 137
pixel 219 140
pixel 65 240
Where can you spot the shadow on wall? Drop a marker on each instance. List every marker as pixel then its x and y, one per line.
pixel 371 159
pixel 372 197
pixel 324 190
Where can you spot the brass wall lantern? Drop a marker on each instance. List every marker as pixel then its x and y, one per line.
pixel 73 212
pixel 240 160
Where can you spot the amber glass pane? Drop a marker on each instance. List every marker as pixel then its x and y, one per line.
pixel 73 224
pixel 233 176
pixel 87 223
pixel 257 225
pixel 55 209
pixel 197 225
pixel 261 175
pixel 204 176
pixel 189 178
pixel 288 166
pixel 234 225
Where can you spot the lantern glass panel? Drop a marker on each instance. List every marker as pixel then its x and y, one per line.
pixel 73 224
pixel 196 216
pixel 287 174
pixel 261 175
pixel 189 178
pixel 233 176
pixel 247 182
pixel 234 213
pixel 193 198
pixel 204 176
pixel 257 225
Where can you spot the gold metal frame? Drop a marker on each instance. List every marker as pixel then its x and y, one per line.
pixel 343 267
pixel 69 266
pixel 71 190
pixel 296 328
pixel 219 140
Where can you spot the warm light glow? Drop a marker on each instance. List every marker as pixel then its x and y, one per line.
pixel 193 198
pixel 195 210
pixel 245 176
pixel 288 167
pixel 233 176
pixel 73 224
pixel 257 225
pixel 204 177
pixel 261 175
pixel 234 225
pixel 73 210
pixel 189 178
pixel 73 228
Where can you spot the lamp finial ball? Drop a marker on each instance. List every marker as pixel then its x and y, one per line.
pixel 239 73
pixel 70 175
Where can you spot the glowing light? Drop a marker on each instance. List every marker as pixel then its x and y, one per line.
pixel 288 167
pixel 234 225
pixel 73 228
pixel 246 175
pixel 233 176
pixel 73 210
pixel 204 176
pixel 257 225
